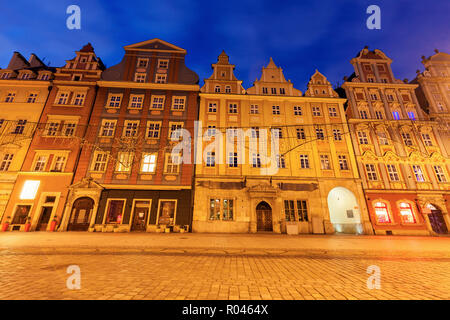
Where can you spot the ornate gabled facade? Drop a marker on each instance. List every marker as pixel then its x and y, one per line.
pixel 307 184
pixel 24 87
pixel 41 189
pixel 400 154
pixel 433 92
pixel 127 178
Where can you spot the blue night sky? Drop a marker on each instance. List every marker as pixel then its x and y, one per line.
pixel 300 35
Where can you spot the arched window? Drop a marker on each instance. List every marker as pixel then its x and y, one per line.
pixel 406 213
pixel 228 89
pixel 217 89
pixel 381 212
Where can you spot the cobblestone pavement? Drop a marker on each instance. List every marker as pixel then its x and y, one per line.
pixel 111 270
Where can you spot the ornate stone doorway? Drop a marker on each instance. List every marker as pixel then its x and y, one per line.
pixel 264 217
pixel 81 214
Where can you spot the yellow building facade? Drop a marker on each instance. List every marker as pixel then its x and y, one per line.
pixel 24 87
pixel 302 179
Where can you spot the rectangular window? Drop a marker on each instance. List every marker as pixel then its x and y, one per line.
pixel 301 133
pixel 233 160
pixel 304 161
pixel 337 135
pixel 211 131
pixel 40 163
pixel 359 95
pixel 363 137
pixel 396 115
pixel 316 111
pixel 302 210
pixel 100 161
pixel 161 78
pixel 289 210
pixel 343 164
pixel 20 127
pixel 163 64
pixel 212 107
pixel 79 99
pixel 232 108
pixel 167 210
pixel 214 209
pixel 178 103
pixel 175 130
pixel 210 159
pixel 254 109
pixel 382 138
pixel 276 110
pixel 418 173
pixel 393 173
pixel 264 90
pixel 332 111
pixel 390 97
pixel 373 96
pixel 32 98
pixel 157 102
pixel 277 133
pixel 407 139
pixel 140 77
pixel 281 161
pixel 21 214
pixel 440 174
pixel 379 114
pixel 282 91
pixel 69 129
pixel 114 100
pixel 172 163
pixel 142 63
pixel 256 160
pixel 371 172
pixel 124 161
pixel 298 111
pixel 228 209
pixel 108 128
pixel 115 211
pixel 131 128
pixel 153 129
pixel 148 162
pixel 427 139
pixel 319 134
pixel 412 115
pixel 363 114
pixel 325 162
pixel 274 90
pixel 10 97
pixel 6 161
pixel 255 132
pixel 52 128
pixel 136 101
pixel 59 163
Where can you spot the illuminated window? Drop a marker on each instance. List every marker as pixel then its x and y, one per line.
pixel 324 162
pixel 381 212
pixel 291 207
pixel 29 189
pixel 406 213
pixel 214 209
pixel 289 210
pixel 227 209
pixel 115 211
pixel 418 173
pixel 21 214
pixel 124 161
pixel 148 162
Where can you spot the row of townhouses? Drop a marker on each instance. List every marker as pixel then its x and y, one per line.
pixel 140 146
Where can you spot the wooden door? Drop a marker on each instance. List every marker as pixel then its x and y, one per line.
pixel 264 217
pixel 81 214
pixel 437 222
pixel 44 218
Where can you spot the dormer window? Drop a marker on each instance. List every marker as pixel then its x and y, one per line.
pixel 412 115
pixel 282 91
pixel 5 75
pixel 76 77
pixel 44 77
pixel 142 63
pixel 274 90
pixel 83 59
pixel 227 89
pixel 217 89
pixel 25 76
pixel 264 90
pixel 370 79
